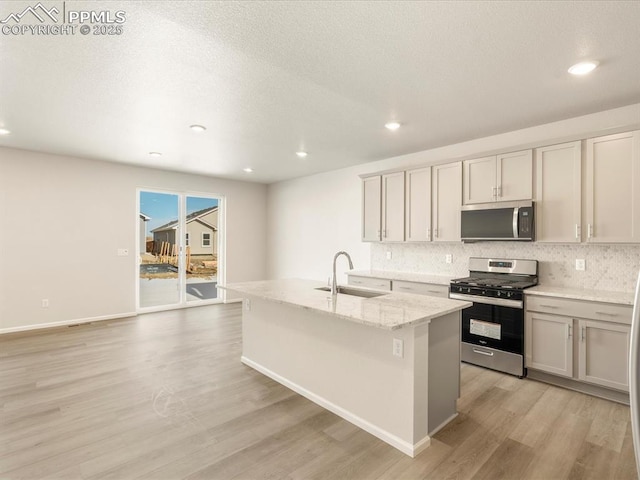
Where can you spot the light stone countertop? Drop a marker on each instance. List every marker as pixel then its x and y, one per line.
pixel 390 311
pixel 604 296
pixel 405 276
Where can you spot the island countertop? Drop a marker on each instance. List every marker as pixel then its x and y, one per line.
pixel 390 311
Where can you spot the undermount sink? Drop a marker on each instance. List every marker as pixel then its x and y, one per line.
pixel 353 291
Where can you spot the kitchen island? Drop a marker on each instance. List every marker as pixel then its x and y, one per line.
pixel 389 364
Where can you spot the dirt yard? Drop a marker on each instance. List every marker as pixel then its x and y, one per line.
pixel 200 266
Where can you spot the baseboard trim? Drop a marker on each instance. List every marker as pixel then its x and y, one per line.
pixel 595 390
pixel 405 447
pixel 64 323
pixel 443 424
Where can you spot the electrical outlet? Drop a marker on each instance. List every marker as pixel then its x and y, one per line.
pixel 580 264
pixel 388 254
pixel 247 305
pixel 398 347
pixel 45 303
pixel 448 258
pixel 123 252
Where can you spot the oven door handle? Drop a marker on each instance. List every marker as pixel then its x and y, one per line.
pixel 488 354
pixel 501 302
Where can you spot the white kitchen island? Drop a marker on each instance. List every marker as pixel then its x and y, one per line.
pixel 342 353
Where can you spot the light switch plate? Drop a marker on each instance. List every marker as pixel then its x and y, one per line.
pixel 448 258
pixel 247 305
pixel 388 254
pixel 580 264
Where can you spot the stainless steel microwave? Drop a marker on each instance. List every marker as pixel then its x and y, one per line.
pixel 498 221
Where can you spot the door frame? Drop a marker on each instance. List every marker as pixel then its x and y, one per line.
pixel 182 273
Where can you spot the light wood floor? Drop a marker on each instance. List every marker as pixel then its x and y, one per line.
pixel 164 396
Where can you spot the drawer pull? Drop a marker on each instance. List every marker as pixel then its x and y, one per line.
pixel 607 314
pixel 488 354
pixel 433 291
pixel 548 306
pixel 357 282
pixel 404 288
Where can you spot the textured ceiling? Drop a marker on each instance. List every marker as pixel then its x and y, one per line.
pixel 270 78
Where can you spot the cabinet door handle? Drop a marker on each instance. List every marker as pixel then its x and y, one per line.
pixel 589 230
pixel 435 232
pixel 494 192
pixel 428 233
pixel 607 314
pixel 568 331
pixel 583 333
pixel 499 190
pixel 378 234
pixel 384 233
pixel 577 231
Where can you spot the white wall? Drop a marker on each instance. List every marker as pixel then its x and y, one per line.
pixel 313 217
pixel 64 218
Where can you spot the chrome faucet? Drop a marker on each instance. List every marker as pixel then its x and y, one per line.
pixel 334 283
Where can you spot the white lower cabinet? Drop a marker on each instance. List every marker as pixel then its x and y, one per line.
pixel 369 282
pixel 604 354
pixel 420 288
pixel 590 350
pixel 404 286
pixel 549 343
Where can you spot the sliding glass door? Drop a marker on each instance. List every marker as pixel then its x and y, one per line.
pixel 180 245
pixel 201 240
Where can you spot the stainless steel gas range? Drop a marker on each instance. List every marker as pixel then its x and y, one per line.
pixel 493 327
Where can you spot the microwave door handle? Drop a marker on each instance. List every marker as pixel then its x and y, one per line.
pixel 516 210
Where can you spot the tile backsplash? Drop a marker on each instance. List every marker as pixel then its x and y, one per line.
pixel 608 267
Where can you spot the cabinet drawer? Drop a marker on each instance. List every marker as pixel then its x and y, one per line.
pixel 370 282
pixel 607 312
pixel 420 288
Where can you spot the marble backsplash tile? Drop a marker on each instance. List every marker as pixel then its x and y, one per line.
pixel 608 267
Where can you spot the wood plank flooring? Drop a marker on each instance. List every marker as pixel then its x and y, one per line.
pixel 164 396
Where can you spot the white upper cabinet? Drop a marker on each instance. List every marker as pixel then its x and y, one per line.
pixel 559 193
pixel 447 196
pixel 613 188
pixel 498 178
pixel 383 208
pixel 418 205
pixel 371 209
pixel 479 180
pixel 393 207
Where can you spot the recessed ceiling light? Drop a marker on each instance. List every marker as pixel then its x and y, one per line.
pixel 198 128
pixel 301 154
pixel 155 154
pixel 247 170
pixel 4 131
pixel 392 126
pixel 582 68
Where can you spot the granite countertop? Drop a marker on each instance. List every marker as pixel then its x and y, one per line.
pixel 390 311
pixel 405 276
pixel 621 298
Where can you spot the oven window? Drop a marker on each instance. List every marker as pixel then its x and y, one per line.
pixel 492 326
